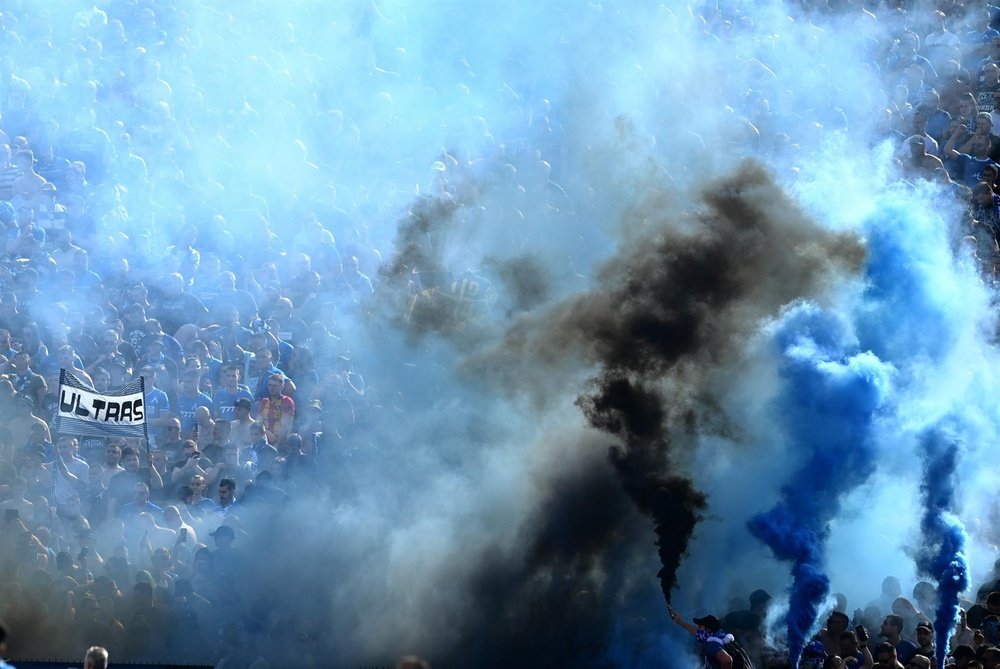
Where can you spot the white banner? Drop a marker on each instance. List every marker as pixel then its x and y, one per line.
pixel 122 412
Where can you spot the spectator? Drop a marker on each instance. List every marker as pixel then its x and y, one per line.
pixel 122 487
pixel 114 357
pixel 26 382
pixel 112 462
pixel 72 473
pixel 227 498
pixel 17 505
pixel 892 632
pixel 711 639
pixel 139 504
pixel 886 657
pixel 189 399
pixel 185 533
pixel 260 454
pixel 218 442
pixel 919 163
pixel 979 612
pixel 983 128
pixel 3 648
pixel 172 444
pixel 189 465
pixel 239 433
pixel 836 625
pixel 853 652
pixel 96 658
pixel 260 370
pixel 925 640
pixel 918 128
pixel 963 655
pixel 231 390
pixel 968 168
pixel 276 411
pixel 199 504
pixel 175 307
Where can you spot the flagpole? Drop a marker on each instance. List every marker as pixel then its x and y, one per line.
pixel 55 441
pixel 62 382
pixel 145 408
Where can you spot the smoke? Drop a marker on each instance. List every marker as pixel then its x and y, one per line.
pixel 688 292
pixel 940 329
pixel 586 161
pixel 668 310
pixel 637 416
pixel 942 555
pixel 525 279
pixel 831 396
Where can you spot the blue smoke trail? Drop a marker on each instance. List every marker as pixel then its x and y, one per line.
pixel 942 555
pixel 831 395
pixel 924 309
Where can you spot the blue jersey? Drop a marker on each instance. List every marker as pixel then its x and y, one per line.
pixel 157 403
pixel 971 169
pixel 187 405
pixel 223 404
pixel 261 382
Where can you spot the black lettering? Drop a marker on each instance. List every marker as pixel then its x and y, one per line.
pixel 64 406
pixel 113 410
pixel 137 414
pixel 98 405
pixel 126 412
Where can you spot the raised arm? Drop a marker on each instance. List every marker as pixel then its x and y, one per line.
pixel 155 481
pixel 676 617
pixel 949 148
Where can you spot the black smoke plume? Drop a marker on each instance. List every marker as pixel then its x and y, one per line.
pixel 666 322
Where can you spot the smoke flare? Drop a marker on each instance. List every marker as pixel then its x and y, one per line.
pixel 830 400
pixel 942 554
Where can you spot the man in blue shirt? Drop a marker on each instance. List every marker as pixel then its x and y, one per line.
pixel 262 368
pixel 964 167
pixel 892 632
pixel 711 639
pixel 188 401
pixel 141 503
pixel 157 405
pixel 230 391
pixel 227 498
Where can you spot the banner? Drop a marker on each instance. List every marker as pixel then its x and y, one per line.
pixel 117 412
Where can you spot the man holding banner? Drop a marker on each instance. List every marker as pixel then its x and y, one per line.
pixel 83 411
pixel 111 413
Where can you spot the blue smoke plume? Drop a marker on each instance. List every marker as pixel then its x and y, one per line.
pixel 942 555
pixel 832 392
pixel 913 302
pixel 923 317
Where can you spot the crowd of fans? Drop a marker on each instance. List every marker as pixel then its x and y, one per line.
pixel 890 631
pixel 937 64
pixel 125 254
pixel 143 235
pixel 941 75
pixel 939 67
pixel 133 247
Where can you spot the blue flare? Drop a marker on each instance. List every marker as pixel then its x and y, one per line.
pixel 831 395
pixel 920 303
pixel 942 556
